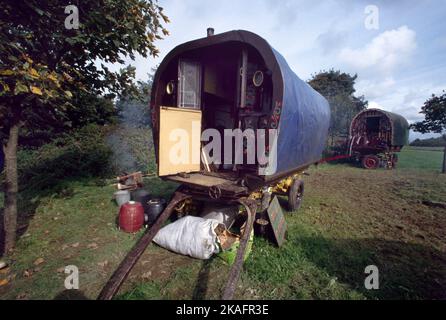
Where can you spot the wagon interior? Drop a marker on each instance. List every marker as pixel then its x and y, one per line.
pixel 223 86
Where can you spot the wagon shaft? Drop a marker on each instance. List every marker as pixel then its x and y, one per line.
pixel 234 275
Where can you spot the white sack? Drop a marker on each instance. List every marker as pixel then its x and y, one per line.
pixel 222 213
pixel 192 236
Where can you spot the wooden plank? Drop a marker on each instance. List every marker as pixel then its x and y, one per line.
pixel 236 269
pixel 198 179
pixel 172 119
pixel 277 221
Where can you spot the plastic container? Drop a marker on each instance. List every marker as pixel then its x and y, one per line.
pixel 131 217
pixel 122 196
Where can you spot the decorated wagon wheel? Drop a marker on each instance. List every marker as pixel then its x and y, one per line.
pixel 214 192
pixel 295 194
pixel 370 161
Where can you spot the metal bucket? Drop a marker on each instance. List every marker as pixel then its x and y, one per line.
pixel 122 196
pixel 141 195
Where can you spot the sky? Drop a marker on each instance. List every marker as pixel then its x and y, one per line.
pixel 397 48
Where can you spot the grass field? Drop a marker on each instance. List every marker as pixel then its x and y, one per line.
pixel 421 158
pixel 350 218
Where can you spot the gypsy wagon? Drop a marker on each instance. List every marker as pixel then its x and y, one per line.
pixel 231 82
pixel 375 136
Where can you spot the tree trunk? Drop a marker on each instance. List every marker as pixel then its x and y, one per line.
pixel 11 188
pixel 443 170
pixel 444 160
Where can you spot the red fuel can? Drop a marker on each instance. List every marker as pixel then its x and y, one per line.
pixel 131 216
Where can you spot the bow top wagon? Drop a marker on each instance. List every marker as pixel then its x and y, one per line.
pixel 228 82
pixel 375 136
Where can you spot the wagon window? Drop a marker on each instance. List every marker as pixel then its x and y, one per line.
pixel 189 78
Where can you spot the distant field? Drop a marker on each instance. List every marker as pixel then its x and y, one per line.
pixel 425 148
pixel 350 218
pixel 421 158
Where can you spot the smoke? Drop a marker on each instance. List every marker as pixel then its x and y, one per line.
pixel 131 140
pixel 123 161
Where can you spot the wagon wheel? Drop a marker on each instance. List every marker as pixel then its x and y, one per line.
pixel 370 161
pixel 295 194
pixel 214 192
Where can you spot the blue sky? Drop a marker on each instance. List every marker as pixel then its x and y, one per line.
pixel 399 65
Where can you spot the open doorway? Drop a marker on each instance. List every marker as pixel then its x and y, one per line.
pixel 229 87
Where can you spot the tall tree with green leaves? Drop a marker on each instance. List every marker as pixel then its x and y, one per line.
pixel 339 88
pixel 434 110
pixel 51 52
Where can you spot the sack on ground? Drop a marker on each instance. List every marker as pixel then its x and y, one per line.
pixel 192 236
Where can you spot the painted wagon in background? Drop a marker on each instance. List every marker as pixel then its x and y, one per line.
pixel 375 137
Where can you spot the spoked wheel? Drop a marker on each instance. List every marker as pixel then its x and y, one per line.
pixel 295 194
pixel 370 161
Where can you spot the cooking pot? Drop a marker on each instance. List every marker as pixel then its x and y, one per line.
pixel 154 208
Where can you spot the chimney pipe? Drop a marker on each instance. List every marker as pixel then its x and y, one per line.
pixel 210 32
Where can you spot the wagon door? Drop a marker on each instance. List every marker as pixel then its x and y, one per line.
pixel 180 127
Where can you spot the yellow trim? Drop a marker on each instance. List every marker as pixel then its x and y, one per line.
pixel 283 185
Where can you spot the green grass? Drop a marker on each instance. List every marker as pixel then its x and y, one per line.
pixel 78 229
pixel 421 158
pixel 350 218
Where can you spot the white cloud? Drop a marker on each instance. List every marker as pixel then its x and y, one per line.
pixel 385 52
pixel 403 99
pixel 373 89
pixel 374 105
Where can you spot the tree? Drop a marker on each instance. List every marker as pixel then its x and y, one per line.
pixel 430 142
pixel 338 89
pixel 434 110
pixel 51 53
pixel 87 109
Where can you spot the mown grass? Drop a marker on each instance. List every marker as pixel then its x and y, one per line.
pixel 421 158
pixel 350 218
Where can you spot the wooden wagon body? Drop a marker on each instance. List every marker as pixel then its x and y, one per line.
pixel 375 136
pixel 230 81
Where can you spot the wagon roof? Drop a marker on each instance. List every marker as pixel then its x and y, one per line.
pixel 281 72
pixel 242 36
